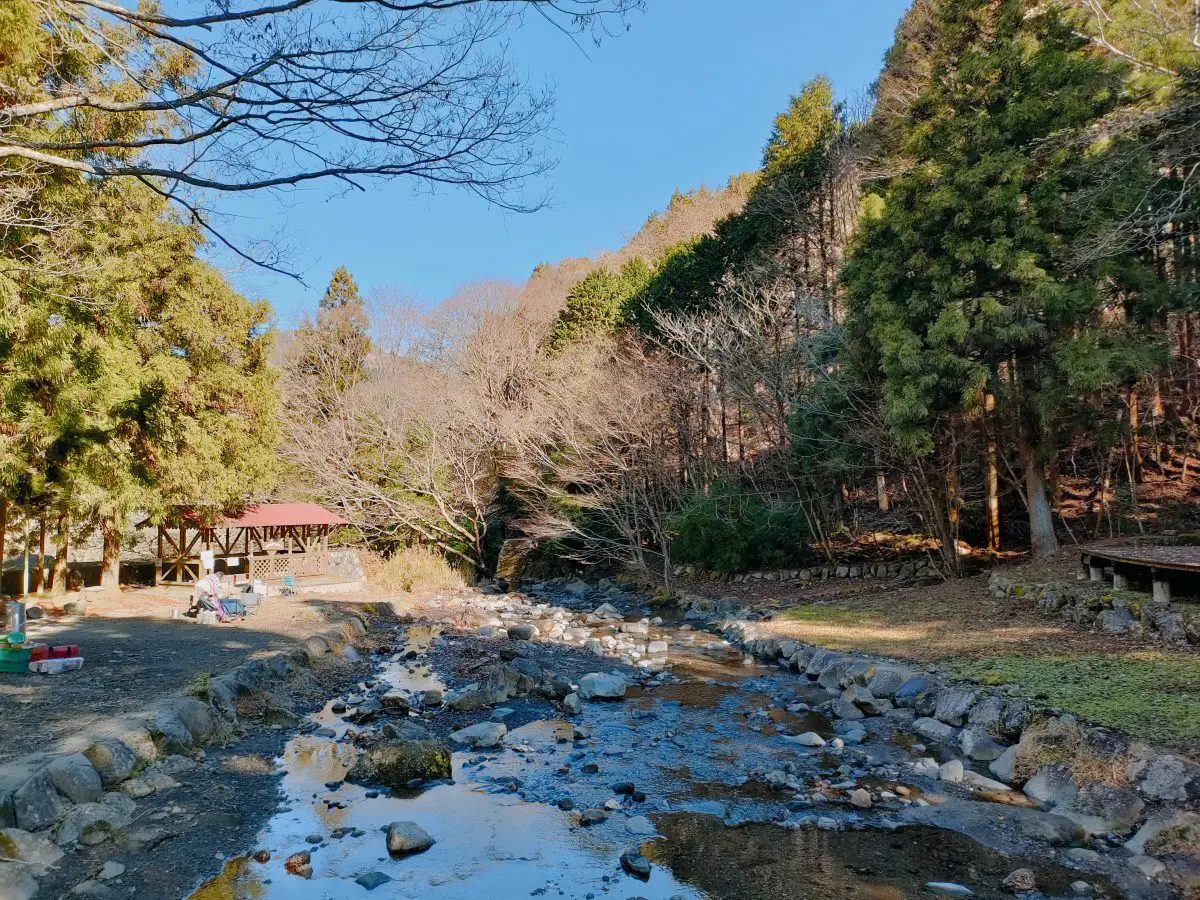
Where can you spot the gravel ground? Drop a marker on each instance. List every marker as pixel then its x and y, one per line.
pixel 132 660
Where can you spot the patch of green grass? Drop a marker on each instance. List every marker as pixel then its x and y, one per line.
pixel 1150 695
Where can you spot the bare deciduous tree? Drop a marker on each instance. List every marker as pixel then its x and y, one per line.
pixel 250 95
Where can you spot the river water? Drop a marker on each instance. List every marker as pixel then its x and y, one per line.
pixel 687 744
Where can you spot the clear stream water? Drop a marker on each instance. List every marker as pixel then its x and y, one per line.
pixel 687 745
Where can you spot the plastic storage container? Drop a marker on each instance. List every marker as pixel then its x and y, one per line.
pixel 14 659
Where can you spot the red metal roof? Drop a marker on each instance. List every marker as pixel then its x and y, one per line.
pixel 265 515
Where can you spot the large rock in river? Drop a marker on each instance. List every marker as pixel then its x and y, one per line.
pixel 396 763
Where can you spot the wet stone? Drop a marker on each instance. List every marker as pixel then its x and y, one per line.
pixel 372 880
pixel 633 862
pixel 404 838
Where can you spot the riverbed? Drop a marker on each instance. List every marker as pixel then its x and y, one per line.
pixel 695 770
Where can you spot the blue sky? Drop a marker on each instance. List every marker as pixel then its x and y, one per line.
pixel 684 98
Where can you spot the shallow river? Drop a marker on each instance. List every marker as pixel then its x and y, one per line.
pixel 687 744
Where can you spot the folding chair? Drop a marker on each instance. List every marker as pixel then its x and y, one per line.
pixel 289 585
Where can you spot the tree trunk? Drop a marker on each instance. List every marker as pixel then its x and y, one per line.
pixel 3 531
pixel 1042 539
pixel 110 564
pixel 880 483
pixel 58 575
pixel 39 573
pixel 1135 440
pixel 991 473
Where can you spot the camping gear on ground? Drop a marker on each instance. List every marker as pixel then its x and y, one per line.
pixel 56 666
pixel 14 617
pixel 289 585
pixel 38 652
pixel 14 659
pixel 64 651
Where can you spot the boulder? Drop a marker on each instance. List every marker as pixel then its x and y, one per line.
pixel 94 823
pixel 933 730
pixel 602 686
pixel 985 714
pixel 1052 786
pixel 481 735
pixel 37 803
pixel 112 760
pixel 918 693
pixel 635 864
pixel 522 632
pixel 1116 621
pixel 32 850
pixel 1004 765
pixel 954 702
pixel 405 838
pixel 978 745
pixel 1165 777
pixel 16 881
pixel 886 681
pixel 396 763
pixel 1103 808
pixel 74 778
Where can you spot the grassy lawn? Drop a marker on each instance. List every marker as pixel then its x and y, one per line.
pixel 1152 695
pixel 1149 693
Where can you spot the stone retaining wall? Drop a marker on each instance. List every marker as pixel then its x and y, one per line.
pixel 909 568
pixel 1104 608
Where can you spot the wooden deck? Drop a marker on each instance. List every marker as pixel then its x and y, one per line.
pixel 1156 564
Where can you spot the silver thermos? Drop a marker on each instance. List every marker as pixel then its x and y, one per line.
pixel 14 617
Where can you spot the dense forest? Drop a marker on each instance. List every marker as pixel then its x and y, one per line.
pixel 962 321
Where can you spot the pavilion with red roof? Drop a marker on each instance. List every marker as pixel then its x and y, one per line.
pixel 265 541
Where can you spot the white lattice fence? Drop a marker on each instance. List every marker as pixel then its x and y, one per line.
pixel 270 568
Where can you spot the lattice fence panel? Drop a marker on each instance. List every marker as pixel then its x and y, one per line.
pixel 274 567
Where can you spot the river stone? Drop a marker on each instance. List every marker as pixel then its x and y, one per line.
pixel 480 735
pixel 31 849
pixel 832 674
pixel 404 838
pixel 1147 865
pixel 636 628
pixel 372 880
pixel 396 763
pixel 808 739
pixel 986 713
pixel 1020 881
pixel 522 632
pixel 1168 821
pixel 633 862
pixel 978 745
pixel 1004 765
pixel 948 889
pixel 1056 830
pixel 37 804
pixel 1165 777
pixel 111 759
pixel 951 771
pixel 75 778
pixel 94 823
pixel 886 681
pixel 918 694
pixel 954 703
pixel 1051 786
pixel 16 881
pixel 1101 808
pixel 1014 718
pixel 405 730
pixel 933 730
pixel 602 686
pixel 170 733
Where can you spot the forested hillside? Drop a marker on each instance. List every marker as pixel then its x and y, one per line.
pixel 966 319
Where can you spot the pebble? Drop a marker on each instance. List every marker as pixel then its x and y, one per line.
pixel 948 889
pixel 111 869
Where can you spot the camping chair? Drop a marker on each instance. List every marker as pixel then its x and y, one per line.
pixel 289 585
